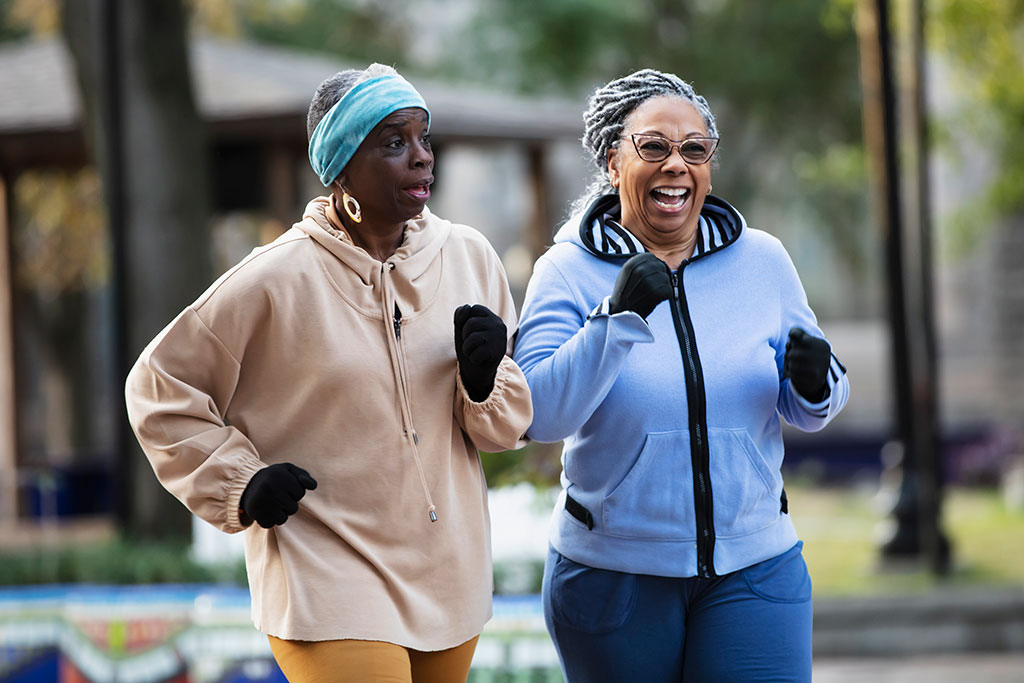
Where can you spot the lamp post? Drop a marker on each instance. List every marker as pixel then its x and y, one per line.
pixel 912 458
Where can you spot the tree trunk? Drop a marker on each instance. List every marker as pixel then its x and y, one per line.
pixel 148 139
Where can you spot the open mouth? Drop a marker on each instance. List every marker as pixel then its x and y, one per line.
pixel 420 192
pixel 670 198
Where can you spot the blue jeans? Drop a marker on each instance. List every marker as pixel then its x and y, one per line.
pixel 751 625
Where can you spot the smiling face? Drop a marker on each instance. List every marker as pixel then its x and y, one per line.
pixel 661 201
pixel 391 172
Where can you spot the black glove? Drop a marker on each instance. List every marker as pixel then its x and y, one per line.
pixel 642 284
pixel 480 342
pixel 273 493
pixel 806 364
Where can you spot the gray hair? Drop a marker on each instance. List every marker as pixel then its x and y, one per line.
pixel 334 88
pixel 609 109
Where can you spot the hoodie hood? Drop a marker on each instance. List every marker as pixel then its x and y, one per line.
pixel 359 276
pixel 599 231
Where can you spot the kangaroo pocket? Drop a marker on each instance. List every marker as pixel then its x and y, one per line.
pixel 744 488
pixel 655 499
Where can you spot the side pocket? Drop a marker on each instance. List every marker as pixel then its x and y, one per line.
pixel 590 600
pixel 745 490
pixel 781 579
pixel 655 499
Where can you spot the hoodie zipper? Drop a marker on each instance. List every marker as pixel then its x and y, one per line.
pixel 696 403
pixel 398 362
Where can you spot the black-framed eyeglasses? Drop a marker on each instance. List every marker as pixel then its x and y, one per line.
pixel 695 150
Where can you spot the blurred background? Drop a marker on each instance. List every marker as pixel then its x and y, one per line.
pixel 145 147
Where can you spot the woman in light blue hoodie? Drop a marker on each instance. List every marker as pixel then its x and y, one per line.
pixel 663 339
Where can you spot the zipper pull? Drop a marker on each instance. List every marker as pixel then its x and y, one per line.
pixel 398 322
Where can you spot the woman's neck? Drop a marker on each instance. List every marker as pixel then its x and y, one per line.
pixel 671 251
pixel 380 242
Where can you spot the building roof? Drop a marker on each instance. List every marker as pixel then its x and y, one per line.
pixel 238 81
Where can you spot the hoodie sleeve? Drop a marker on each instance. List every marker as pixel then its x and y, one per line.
pixel 499 422
pixel 571 359
pixel 795 312
pixel 176 395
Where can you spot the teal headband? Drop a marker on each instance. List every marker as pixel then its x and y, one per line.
pixel 341 131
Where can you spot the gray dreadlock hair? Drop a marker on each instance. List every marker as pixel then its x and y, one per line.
pixel 608 110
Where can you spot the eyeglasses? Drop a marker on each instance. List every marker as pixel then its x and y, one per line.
pixel 656 148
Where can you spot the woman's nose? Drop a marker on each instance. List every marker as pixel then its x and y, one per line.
pixel 675 164
pixel 422 155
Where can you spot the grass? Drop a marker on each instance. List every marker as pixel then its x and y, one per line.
pixel 116 562
pixel 840 528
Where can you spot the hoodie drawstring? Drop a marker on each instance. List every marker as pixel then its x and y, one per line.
pixel 398 367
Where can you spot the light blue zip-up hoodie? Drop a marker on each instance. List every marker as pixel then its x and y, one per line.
pixel 671 426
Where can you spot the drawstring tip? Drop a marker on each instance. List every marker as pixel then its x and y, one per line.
pixel 432 514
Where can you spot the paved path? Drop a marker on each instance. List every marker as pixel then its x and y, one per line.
pixel 994 668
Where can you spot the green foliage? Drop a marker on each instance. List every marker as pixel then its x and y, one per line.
pixel 8 29
pixel 518 578
pixel 982 42
pixel 536 463
pixel 22 18
pixel 60 242
pixel 363 31
pixel 120 562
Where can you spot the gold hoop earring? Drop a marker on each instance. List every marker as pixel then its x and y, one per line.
pixel 356 213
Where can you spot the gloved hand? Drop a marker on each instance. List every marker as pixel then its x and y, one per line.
pixel 273 493
pixel 480 342
pixel 642 284
pixel 806 364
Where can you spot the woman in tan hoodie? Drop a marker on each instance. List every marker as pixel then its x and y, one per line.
pixel 327 396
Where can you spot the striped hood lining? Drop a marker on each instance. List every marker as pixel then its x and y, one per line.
pixel 602 234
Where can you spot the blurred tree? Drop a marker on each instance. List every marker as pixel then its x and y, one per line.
pixel 146 134
pixel 369 30
pixel 982 45
pixel 21 18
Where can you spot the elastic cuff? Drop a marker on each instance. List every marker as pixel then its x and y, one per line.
pixel 235 490
pixel 500 378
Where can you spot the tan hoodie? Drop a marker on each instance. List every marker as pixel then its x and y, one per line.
pixel 292 356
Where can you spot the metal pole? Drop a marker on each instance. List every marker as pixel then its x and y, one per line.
pixel 882 141
pixel 924 367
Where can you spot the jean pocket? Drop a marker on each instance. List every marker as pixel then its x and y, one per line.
pixel 783 578
pixel 590 600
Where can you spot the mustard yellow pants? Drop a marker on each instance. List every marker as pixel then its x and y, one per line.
pixel 368 661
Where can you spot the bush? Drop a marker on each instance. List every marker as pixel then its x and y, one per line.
pixel 119 562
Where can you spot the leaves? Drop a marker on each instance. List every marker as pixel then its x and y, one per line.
pixel 60 241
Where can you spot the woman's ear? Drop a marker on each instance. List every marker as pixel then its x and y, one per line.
pixel 613 167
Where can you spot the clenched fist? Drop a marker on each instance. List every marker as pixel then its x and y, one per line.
pixel 642 284
pixel 806 364
pixel 273 493
pixel 480 341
